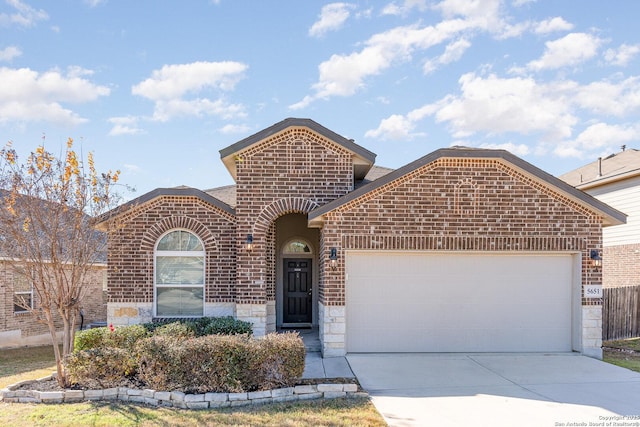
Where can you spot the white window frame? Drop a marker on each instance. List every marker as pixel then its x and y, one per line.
pixel 185 254
pixel 22 309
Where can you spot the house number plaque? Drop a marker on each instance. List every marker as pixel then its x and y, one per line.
pixel 593 291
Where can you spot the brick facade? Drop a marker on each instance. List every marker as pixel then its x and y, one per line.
pixel 461 205
pixel 131 250
pixel 481 200
pixel 621 265
pixel 21 329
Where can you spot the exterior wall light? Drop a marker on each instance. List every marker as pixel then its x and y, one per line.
pixel 596 258
pixel 333 258
pixel 249 242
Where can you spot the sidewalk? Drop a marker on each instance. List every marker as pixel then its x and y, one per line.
pixel 315 366
pixel 331 367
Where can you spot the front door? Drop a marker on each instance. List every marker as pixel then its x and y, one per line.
pixel 297 290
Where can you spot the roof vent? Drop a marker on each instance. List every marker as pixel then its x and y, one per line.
pixel 599 167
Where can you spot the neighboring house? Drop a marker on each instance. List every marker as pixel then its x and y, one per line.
pixel 615 180
pixel 19 327
pixel 462 250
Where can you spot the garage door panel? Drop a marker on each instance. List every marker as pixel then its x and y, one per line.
pixel 418 302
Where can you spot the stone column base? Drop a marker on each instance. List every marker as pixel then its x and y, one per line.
pixel 592 331
pixel 332 329
pixel 256 314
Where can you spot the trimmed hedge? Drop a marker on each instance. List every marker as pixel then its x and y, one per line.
pixel 182 356
pixel 100 367
pixel 124 337
pixel 201 326
pixel 219 363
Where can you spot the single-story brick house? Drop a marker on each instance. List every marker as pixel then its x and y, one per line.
pixel 19 327
pixel 615 180
pixel 461 250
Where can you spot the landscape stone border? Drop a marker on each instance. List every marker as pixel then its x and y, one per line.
pixel 177 399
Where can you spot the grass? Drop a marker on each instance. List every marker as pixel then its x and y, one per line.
pixel 25 363
pixel 31 363
pixel 625 359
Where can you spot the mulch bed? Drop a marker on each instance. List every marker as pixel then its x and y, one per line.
pixel 52 385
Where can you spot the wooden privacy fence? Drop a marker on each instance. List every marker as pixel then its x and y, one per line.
pixel 621 313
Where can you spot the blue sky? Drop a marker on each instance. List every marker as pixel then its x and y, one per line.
pixel 157 88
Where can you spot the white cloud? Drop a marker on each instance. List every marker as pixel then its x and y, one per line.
pixel 8 53
pixel 344 75
pixel 453 52
pixel 481 14
pixel 127 125
pixel 552 25
pixel 166 110
pixel 397 127
pixel 569 50
pixel 522 2
pixel 517 149
pixel 95 3
pixel 171 86
pixel 608 98
pixel 29 96
pixel 403 9
pixel 493 106
pixel 622 55
pixel 332 18
pixel 173 81
pixel 235 129
pixel 599 137
pixel 497 105
pixel 23 16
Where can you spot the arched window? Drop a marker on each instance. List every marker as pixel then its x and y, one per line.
pixel 296 246
pixel 179 275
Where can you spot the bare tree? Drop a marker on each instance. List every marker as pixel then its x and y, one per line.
pixel 47 234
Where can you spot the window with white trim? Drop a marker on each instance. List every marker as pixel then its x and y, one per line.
pixel 179 275
pixel 22 295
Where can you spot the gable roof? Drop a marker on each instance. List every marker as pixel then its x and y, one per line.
pixel 616 167
pixel 182 191
pixel 363 159
pixel 227 193
pixel 611 216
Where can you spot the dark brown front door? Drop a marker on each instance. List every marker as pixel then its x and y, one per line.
pixel 297 291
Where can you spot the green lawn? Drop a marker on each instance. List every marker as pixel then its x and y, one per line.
pixel 627 360
pixel 31 363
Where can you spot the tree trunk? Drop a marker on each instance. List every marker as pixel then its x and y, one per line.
pixel 62 375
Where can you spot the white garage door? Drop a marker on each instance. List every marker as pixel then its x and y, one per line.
pixel 426 302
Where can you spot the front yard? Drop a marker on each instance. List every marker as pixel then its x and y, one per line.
pixel 30 363
pixel 625 353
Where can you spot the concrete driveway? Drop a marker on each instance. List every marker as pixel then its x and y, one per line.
pixel 498 389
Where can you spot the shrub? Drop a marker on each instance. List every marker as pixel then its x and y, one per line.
pixel 277 361
pixel 176 330
pixel 158 360
pixel 220 363
pixel 89 338
pixel 227 326
pixel 100 367
pixel 124 337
